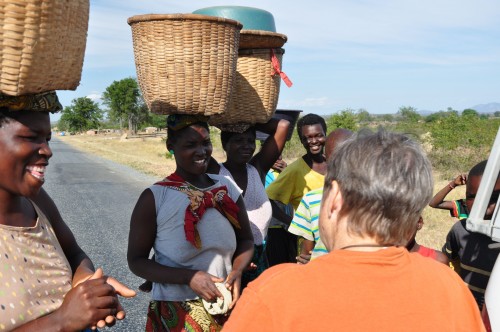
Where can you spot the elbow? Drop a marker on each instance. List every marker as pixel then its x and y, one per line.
pixel 283 125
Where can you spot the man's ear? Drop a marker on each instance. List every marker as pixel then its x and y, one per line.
pixel 169 145
pixel 333 200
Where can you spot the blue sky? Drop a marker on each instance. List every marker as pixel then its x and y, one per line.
pixel 373 54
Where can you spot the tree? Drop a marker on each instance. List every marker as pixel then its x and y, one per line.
pixel 363 115
pixel 125 103
pixel 83 114
pixel 409 114
pixel 470 112
pixel 345 119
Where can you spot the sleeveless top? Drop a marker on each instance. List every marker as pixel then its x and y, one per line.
pixel 256 202
pixel 35 274
pixel 172 249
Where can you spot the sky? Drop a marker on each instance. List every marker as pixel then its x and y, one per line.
pixel 377 55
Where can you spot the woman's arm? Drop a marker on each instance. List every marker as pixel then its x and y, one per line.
pixel 272 146
pixel 96 297
pixel 243 254
pixel 140 242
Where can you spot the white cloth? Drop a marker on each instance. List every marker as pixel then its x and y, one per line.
pixel 218 239
pixel 256 202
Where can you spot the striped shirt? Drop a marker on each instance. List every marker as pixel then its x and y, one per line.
pixel 305 221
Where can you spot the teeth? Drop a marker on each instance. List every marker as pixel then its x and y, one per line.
pixel 200 161
pixel 37 171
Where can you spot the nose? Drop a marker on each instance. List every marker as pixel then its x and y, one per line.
pixel 45 150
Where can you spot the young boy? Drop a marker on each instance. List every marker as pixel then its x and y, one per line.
pixel 471 249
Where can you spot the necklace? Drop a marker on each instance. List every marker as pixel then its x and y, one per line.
pixel 366 245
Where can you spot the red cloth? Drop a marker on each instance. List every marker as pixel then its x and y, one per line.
pixel 200 201
pixel 427 252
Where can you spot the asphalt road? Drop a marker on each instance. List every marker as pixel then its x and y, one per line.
pixel 96 198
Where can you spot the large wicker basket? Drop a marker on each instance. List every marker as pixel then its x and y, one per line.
pixel 185 63
pixel 42 45
pixel 256 91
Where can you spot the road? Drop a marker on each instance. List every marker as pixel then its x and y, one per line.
pixel 96 198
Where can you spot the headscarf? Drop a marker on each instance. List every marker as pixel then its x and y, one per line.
pixel 199 202
pixel 41 102
pixel 179 121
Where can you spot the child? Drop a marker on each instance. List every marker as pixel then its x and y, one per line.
pixel 457 208
pixel 469 248
pixel 413 246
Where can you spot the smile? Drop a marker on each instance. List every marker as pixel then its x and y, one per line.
pixel 37 171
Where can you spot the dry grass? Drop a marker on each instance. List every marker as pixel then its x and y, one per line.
pixel 148 155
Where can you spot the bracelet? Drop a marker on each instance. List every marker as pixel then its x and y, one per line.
pixel 450 186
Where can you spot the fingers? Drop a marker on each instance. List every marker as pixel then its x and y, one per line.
pixel 97 274
pixel 236 287
pixel 120 288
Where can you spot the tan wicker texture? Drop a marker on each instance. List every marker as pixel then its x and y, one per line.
pixel 256 91
pixel 42 45
pixel 261 39
pixel 185 63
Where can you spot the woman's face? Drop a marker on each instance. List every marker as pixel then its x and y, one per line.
pixel 241 147
pixel 24 153
pixel 192 150
pixel 313 138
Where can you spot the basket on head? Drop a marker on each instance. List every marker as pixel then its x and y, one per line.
pixel 256 90
pixel 185 63
pixel 43 45
pixel 261 39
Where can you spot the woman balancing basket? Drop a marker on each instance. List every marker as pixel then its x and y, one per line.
pixel 185 63
pixel 43 45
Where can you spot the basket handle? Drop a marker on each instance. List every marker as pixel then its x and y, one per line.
pixel 277 70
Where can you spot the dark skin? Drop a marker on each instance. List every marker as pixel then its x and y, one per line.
pixel 192 150
pixel 438 201
pixel 241 147
pixel 313 139
pixel 25 152
pixel 413 246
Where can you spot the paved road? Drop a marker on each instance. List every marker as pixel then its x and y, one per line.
pixel 96 198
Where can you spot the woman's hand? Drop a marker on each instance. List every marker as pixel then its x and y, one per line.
pixel 89 304
pixel 233 283
pixel 203 284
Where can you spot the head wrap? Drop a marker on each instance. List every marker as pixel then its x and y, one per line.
pixel 179 121
pixel 41 102
pixel 236 128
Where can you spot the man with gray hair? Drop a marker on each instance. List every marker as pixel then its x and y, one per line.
pixel 375 190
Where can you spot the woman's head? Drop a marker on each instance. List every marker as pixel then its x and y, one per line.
pixel 24 151
pixel 385 181
pixel 189 139
pixel 239 147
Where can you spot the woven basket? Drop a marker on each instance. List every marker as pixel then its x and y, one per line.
pixel 256 91
pixel 185 63
pixel 43 44
pixel 261 39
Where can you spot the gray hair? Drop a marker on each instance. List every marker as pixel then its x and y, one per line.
pixel 385 180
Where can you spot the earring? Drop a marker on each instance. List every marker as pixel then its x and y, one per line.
pixel 171 152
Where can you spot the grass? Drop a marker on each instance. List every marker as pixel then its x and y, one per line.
pixel 148 155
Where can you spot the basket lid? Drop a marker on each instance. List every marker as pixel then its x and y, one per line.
pixel 261 39
pixel 251 18
pixel 181 17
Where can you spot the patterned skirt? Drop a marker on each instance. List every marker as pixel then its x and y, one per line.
pixel 189 316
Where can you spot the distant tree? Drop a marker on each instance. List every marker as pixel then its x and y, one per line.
pixel 409 114
pixel 388 117
pixel 346 119
pixel 363 115
pixel 83 114
pixel 125 103
pixel 497 114
pixel 470 112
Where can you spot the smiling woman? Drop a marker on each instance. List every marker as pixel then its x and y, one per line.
pixel 199 229
pixel 37 245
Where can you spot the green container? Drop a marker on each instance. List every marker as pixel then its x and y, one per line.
pixel 251 18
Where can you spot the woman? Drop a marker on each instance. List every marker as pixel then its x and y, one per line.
pixel 199 234
pixel 48 283
pixel 249 171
